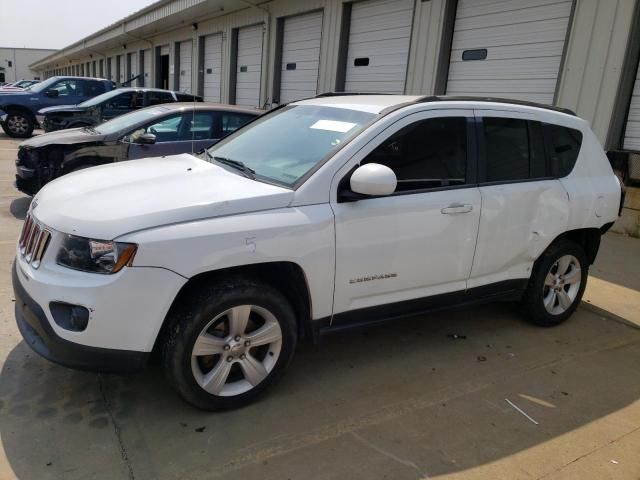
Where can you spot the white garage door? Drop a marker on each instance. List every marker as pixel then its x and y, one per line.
pixel 186 55
pixel 632 130
pixel 378 51
pixel 249 66
pixel 300 56
pixel 212 67
pixel 112 66
pixel 147 68
pixel 508 48
pixel 123 71
pixel 134 67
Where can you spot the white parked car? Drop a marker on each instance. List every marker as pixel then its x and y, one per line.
pixel 326 213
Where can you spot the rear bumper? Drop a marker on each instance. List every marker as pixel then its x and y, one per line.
pixel 40 336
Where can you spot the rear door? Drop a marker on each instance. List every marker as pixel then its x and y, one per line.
pixel 523 206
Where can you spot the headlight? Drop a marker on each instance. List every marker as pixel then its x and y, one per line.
pixel 98 256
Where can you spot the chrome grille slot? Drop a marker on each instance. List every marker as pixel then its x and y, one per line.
pixel 33 242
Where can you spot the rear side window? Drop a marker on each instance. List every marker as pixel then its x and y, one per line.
pixel 564 145
pixel 507 149
pixel 156 98
pixel 93 88
pixel 233 121
pixel 427 154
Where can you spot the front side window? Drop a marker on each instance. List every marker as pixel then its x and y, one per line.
pixel 199 126
pixel 129 120
pixel 169 129
pixel 427 154
pixel 286 144
pixel 67 88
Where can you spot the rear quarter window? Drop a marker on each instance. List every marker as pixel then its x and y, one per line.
pixel 564 146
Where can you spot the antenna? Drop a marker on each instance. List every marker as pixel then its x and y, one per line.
pixel 193 99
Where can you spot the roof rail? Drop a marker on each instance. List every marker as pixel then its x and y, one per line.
pixel 347 94
pixel 453 98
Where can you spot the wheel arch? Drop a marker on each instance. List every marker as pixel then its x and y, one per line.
pixel 587 238
pixel 13 107
pixel 288 277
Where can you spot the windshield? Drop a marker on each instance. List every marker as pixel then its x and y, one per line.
pixel 100 98
pixel 39 87
pixel 284 145
pixel 129 120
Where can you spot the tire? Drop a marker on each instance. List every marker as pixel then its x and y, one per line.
pixel 557 284
pixel 205 343
pixel 18 124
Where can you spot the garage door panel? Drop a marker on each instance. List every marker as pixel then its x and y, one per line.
pixel 147 68
pixel 523 41
pixel 632 129
pixel 186 54
pixel 300 49
pixel 380 32
pixel 552 30
pixel 522 16
pixel 212 66
pixel 487 7
pixel 249 65
pixel 516 52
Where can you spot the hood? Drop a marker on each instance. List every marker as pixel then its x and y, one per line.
pixel 62 137
pixel 61 108
pixel 5 93
pixel 108 201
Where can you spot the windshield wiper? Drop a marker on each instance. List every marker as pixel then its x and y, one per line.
pixel 238 165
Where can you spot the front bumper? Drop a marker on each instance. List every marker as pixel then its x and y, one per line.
pixel 38 334
pixel 27 180
pixel 127 310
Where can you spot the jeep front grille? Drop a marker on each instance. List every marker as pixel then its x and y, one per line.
pixel 33 242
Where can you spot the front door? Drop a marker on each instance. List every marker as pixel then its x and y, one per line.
pixel 419 241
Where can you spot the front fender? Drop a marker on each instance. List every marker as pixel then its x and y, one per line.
pixel 301 235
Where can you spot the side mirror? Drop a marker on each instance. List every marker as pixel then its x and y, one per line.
pixel 52 93
pixel 373 179
pixel 146 139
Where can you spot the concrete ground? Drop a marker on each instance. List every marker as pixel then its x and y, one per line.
pixel 400 401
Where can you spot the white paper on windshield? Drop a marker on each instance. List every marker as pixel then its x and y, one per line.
pixel 333 126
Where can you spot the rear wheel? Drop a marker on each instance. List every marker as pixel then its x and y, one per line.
pixel 556 287
pixel 19 124
pixel 228 343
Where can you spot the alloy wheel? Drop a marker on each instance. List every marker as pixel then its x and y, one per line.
pixel 562 284
pixel 236 350
pixel 18 124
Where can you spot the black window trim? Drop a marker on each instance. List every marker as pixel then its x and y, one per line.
pixel 344 193
pixel 546 133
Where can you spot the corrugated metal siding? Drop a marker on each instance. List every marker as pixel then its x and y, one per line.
pixel 213 67
pixel 300 56
pixel 632 128
pixel 249 66
pixel 186 66
pixel 524 40
pixel 380 32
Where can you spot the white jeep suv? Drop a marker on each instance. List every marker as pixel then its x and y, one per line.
pixel 330 212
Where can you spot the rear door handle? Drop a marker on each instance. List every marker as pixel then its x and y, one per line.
pixel 456 208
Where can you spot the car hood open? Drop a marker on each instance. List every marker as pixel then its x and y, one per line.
pixel 108 201
pixel 63 137
pixel 61 108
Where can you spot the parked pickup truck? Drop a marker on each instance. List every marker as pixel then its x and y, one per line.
pixel 107 106
pixel 18 109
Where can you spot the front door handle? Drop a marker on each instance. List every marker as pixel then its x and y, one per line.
pixel 456 208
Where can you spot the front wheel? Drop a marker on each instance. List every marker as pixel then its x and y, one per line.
pixel 228 343
pixel 556 286
pixel 19 125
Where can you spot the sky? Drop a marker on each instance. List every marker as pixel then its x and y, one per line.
pixel 58 23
